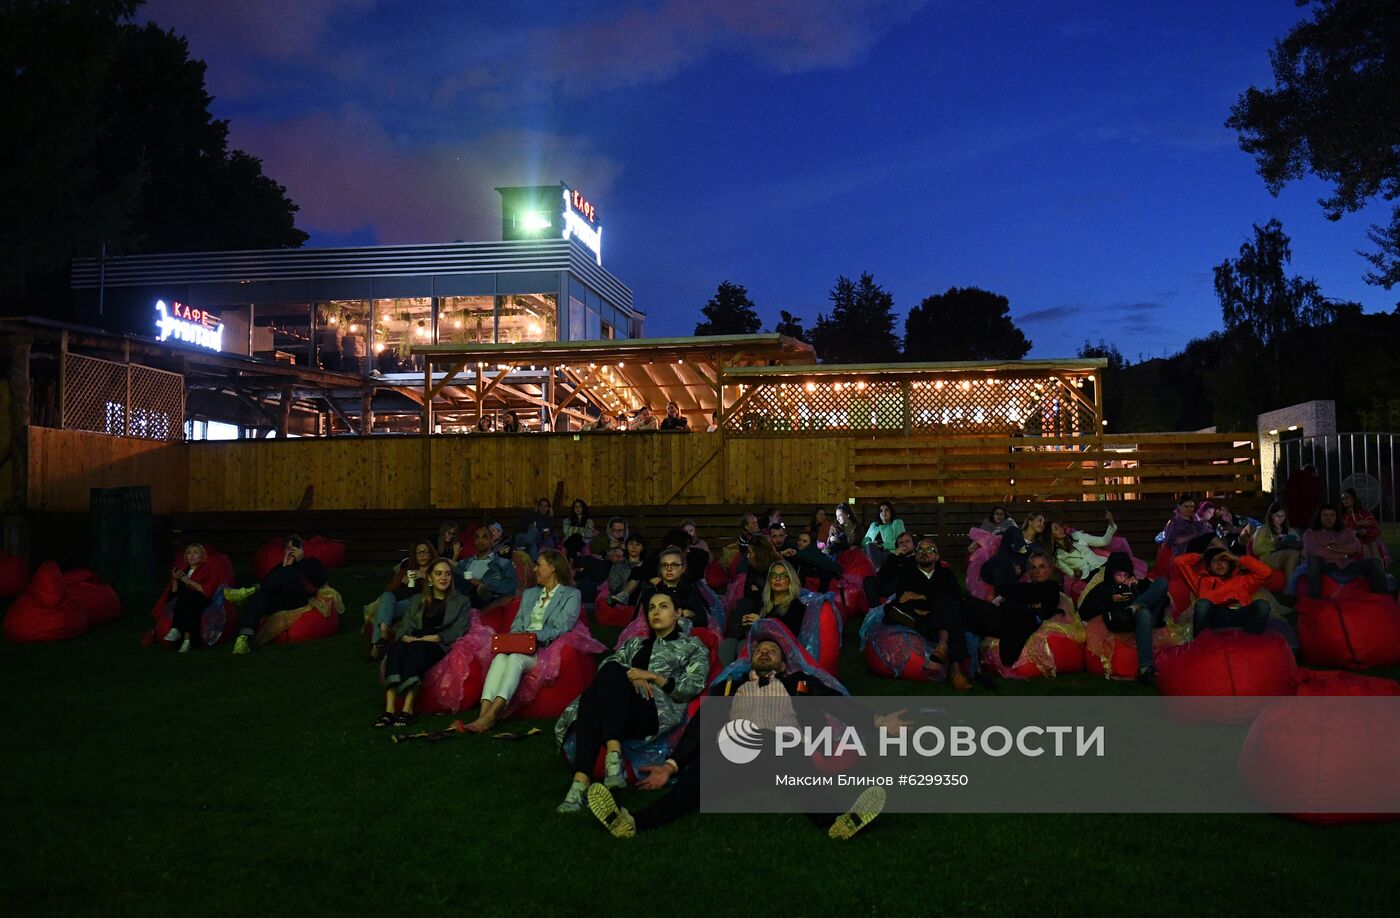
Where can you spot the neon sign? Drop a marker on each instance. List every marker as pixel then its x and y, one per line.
pixel 580 223
pixel 195 326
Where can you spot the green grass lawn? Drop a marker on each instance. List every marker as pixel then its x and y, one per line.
pixel 137 781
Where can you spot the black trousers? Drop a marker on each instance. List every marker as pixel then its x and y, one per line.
pixel 944 614
pixel 189 607
pixel 282 589
pixel 684 796
pixel 1012 623
pixel 1001 572
pixel 610 709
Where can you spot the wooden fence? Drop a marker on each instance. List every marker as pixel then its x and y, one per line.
pixel 634 469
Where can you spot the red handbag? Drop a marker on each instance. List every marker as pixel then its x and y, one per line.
pixel 514 642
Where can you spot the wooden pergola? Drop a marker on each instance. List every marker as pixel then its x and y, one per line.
pixel 565 379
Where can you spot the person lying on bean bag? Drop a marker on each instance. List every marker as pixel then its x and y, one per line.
pixel 1129 604
pixel 760 682
pixel 290 586
pixel 549 610
pixel 1224 584
pixel 640 692
pixel 1020 609
pixel 191 590
pixel 433 621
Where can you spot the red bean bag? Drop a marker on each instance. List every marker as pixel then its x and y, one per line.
pixel 1326 763
pixel 717 577
pixel 98 601
pixel 45 612
pixel 576 672
pixel 619 616
pixel 1338 683
pixel 1357 630
pixel 898 653
pixel 330 552
pixel 267 557
pixel 828 636
pixel 455 683
pixel 500 615
pixel 14 575
pixel 319 618
pixel 1056 648
pixel 1114 654
pixel 1227 664
pixel 1162 564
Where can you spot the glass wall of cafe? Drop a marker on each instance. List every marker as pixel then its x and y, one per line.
pixel 373 334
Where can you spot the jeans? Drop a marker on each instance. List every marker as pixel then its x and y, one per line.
pixel 503 677
pixel 1251 618
pixel 1148 610
pixel 1369 568
pixel 387 610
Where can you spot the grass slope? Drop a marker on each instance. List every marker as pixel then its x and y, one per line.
pixel 141 782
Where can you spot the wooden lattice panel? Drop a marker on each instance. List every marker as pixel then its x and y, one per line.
pixel 122 399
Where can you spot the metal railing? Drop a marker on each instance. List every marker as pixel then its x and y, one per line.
pixel 1365 462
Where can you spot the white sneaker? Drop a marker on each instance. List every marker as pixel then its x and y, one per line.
pixel 172 635
pixel 612 771
pixel 573 800
pixel 185 646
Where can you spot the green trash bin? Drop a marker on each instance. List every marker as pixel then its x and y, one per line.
pixel 138 560
pixel 105 537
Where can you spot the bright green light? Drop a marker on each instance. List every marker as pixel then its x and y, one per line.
pixel 533 221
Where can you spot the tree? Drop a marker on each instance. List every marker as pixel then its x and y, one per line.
pixel 1105 350
pixel 1260 304
pixel 860 328
pixel 1332 113
pixel 109 141
pixel 963 323
pixel 791 325
pixel 729 312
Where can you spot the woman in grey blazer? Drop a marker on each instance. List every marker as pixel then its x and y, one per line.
pixel 548 610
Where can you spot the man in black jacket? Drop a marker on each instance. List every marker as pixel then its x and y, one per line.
pixel 882 586
pixel 288 586
pixel 1015 614
pixel 769 671
pixel 927 598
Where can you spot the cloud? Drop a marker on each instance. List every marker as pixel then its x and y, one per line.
pixel 1143 310
pixel 265 28
pixel 347 173
pixel 1191 136
pixel 651 45
pixel 1050 314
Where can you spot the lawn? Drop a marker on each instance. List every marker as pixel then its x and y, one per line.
pixel 138 781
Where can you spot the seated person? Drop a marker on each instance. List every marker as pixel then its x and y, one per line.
pixel 754 567
pixel 449 543
pixel 617 530
pixel 1276 543
pixel 782 598
pixel 1363 522
pixel 674 420
pixel 845 532
pixel 997 522
pixel 1129 604
pixel 1012 557
pixel 1224 584
pixel 695 541
pixel 641 691
pixel 672 582
pixel 880 537
pixel 536 530
pixel 547 611
pixel 882 586
pixel 813 564
pixel 409 578
pixel 486 576
pixel 578 529
pixel 1183 527
pixel 433 621
pixel 625 573
pixel 191 589
pixel 1331 549
pixel 645 420
pixel 1014 615
pixel 287 587
pixel 927 598
pixel 770 676
pixel 1074 549
pixel 604 423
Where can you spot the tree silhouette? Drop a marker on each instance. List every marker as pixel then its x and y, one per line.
pixel 729 312
pixel 963 323
pixel 860 328
pixel 791 325
pixel 1333 113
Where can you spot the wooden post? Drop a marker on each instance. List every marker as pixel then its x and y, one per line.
pixel 284 411
pixel 366 412
pixel 427 397
pixel 21 396
pixel 63 380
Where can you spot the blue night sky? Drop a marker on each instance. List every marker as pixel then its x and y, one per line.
pixel 1071 156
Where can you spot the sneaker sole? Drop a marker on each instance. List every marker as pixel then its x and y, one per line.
pixel 870 804
pixel 604 808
